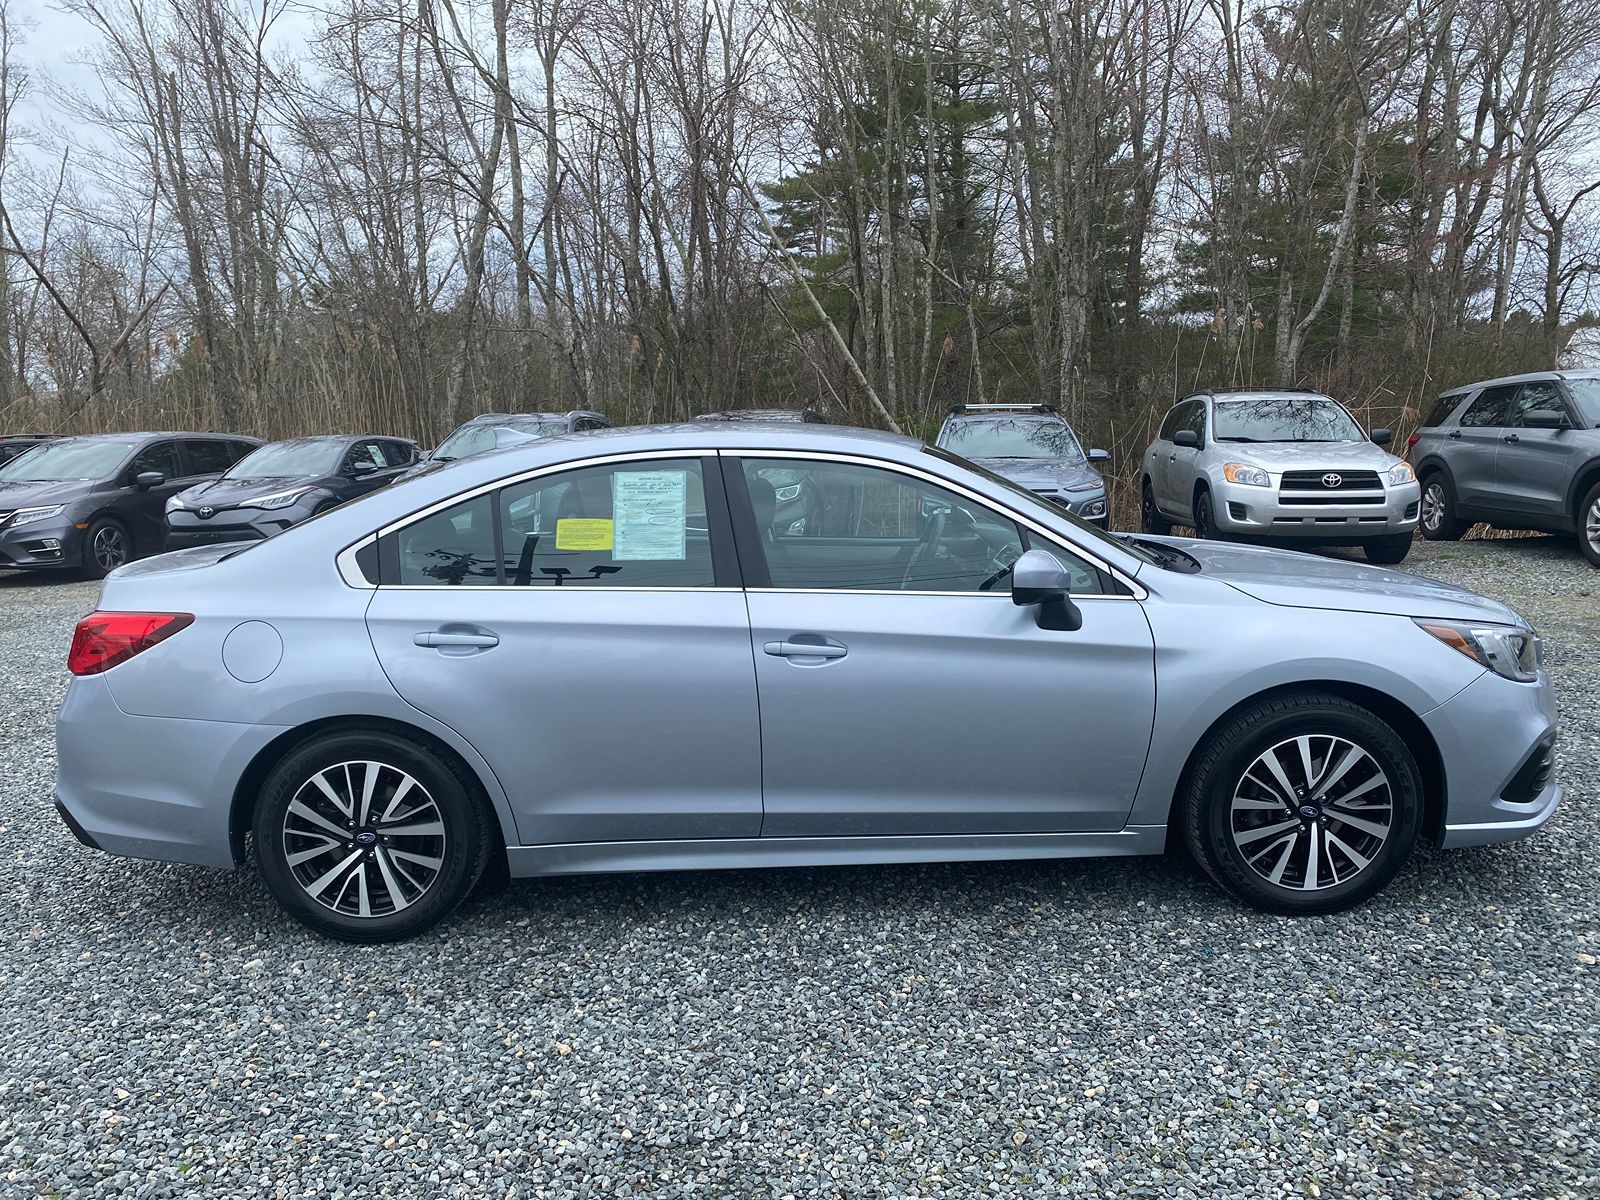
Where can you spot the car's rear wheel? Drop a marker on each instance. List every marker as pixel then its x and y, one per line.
pixel 1438 520
pixel 1150 518
pixel 1303 804
pixel 106 546
pixel 1387 551
pixel 366 837
pixel 1589 525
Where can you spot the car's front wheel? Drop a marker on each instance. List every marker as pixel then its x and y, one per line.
pixel 1302 804
pixel 106 546
pixel 1589 525
pixel 366 837
pixel 1205 517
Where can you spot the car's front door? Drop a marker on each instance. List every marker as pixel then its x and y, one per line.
pixel 144 509
pixel 1472 445
pixel 1534 467
pixel 585 631
pixel 903 693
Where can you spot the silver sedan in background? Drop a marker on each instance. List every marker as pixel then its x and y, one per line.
pixel 603 653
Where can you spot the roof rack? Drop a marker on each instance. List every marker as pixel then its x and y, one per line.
pixel 965 408
pixel 1229 391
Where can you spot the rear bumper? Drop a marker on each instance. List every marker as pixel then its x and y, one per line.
pixel 1267 512
pixel 149 787
pixel 1486 735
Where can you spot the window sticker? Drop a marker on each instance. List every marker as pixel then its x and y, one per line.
pixel 583 533
pixel 651 511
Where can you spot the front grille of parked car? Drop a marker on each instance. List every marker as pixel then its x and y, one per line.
pixel 1316 481
pixel 1532 777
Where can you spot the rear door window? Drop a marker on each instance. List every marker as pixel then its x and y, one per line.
pixel 1443 408
pixel 1491 408
pixel 210 457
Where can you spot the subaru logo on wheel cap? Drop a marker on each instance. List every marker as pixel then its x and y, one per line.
pixel 206 512
pixel 1332 479
pixel 366 837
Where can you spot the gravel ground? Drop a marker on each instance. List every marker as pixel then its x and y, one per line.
pixel 1018 1030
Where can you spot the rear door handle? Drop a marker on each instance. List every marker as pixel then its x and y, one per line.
pixel 796 649
pixel 1511 437
pixel 472 641
pixel 1455 434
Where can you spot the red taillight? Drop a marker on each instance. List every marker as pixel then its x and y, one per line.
pixel 1412 441
pixel 104 639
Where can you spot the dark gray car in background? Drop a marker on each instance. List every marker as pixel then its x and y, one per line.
pixel 282 484
pixel 1521 452
pixel 1031 445
pixel 93 503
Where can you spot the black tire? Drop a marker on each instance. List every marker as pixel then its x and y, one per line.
pixel 107 545
pixel 1387 551
pixel 1205 521
pixel 1150 518
pixel 1211 824
pixel 449 800
pixel 1589 525
pixel 1439 522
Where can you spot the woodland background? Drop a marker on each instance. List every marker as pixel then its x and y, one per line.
pixel 389 215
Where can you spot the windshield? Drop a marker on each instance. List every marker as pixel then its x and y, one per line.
pixel 1284 419
pixel 67 460
pixel 1586 395
pixel 296 459
pixel 1012 437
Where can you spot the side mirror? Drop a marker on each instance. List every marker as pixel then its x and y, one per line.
pixel 1544 418
pixel 1381 437
pixel 364 467
pixel 145 480
pixel 1099 456
pixel 1039 580
pixel 1186 437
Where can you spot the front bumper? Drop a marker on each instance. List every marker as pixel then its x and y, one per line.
pixel 1273 512
pixel 56 542
pixel 185 527
pixel 149 787
pixel 1489 734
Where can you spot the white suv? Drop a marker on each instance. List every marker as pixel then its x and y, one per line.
pixel 1285 465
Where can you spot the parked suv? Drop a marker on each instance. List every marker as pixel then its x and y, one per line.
pixel 1031 445
pixel 94 503
pixel 283 484
pixel 1290 464
pixel 1518 453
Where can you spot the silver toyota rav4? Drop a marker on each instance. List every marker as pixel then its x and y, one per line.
pixel 1291 465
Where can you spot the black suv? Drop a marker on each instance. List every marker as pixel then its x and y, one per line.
pixel 1518 453
pixel 93 503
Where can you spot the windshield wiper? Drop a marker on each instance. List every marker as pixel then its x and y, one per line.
pixel 1237 438
pixel 1163 555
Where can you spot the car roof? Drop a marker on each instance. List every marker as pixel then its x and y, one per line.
pixel 1259 394
pixel 778 415
pixel 503 418
pixel 1525 377
pixel 158 433
pixel 342 437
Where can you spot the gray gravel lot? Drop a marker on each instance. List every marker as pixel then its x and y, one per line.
pixel 1078 1028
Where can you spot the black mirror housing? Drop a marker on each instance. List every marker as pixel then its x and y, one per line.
pixel 1188 438
pixel 145 480
pixel 1381 437
pixel 364 467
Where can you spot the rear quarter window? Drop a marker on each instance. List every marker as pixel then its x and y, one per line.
pixel 1443 407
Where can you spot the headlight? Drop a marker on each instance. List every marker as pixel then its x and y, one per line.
pixel 27 516
pixel 1398 474
pixel 276 499
pixel 787 493
pixel 1514 653
pixel 1240 473
pixel 176 504
pixel 1095 508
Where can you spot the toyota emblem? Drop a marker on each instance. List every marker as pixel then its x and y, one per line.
pixel 207 512
pixel 1332 479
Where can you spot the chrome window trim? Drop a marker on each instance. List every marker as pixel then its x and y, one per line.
pixel 949 485
pixel 531 589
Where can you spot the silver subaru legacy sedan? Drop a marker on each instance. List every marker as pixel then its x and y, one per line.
pixel 602 653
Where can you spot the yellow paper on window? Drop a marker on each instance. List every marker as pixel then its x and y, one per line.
pixel 583 533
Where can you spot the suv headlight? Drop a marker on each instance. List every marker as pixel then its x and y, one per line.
pixel 27 516
pixel 1398 474
pixel 176 504
pixel 1243 473
pixel 1505 650
pixel 276 499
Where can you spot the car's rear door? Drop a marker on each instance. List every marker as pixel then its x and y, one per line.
pixel 1534 467
pixel 903 693
pixel 585 631
pixel 1473 443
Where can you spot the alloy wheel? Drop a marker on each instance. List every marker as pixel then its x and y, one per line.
pixel 1591 525
pixel 364 839
pixel 1433 506
pixel 110 548
pixel 1311 812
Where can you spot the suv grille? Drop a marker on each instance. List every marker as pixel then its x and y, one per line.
pixel 1316 481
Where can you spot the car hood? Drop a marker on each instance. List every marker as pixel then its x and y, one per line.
pixel 1068 474
pixel 225 493
pixel 32 493
pixel 1300 456
pixel 1299 580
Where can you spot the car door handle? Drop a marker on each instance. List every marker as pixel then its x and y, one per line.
pixel 472 641
pixel 1511 437
pixel 1454 435
pixel 796 649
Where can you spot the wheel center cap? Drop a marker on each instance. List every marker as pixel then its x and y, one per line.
pixel 1310 811
pixel 366 837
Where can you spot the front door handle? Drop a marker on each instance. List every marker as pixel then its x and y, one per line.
pixel 1454 435
pixel 820 648
pixel 470 641
pixel 1511 437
